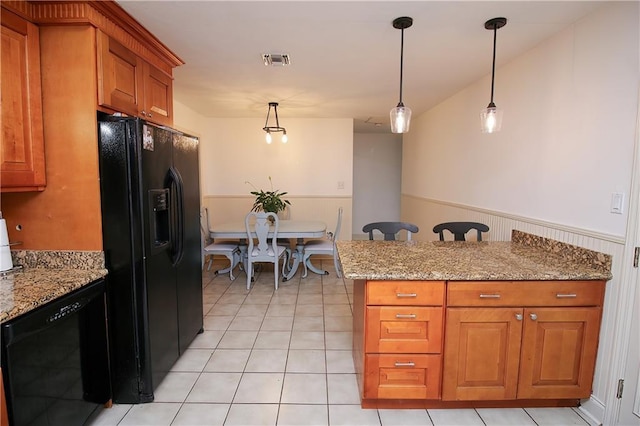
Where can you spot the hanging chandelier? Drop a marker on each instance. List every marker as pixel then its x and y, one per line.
pixel 491 117
pixel 274 129
pixel 401 115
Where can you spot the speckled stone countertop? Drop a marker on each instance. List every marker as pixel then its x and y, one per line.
pixel 526 257
pixel 46 275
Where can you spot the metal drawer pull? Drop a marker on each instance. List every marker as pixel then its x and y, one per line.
pixel 406 295
pixel 410 316
pixel 519 317
pixel 405 364
pixel 566 295
pixel 533 317
pixel 489 296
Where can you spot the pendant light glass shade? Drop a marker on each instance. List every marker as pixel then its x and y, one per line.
pixel 400 116
pixel 269 129
pixel 491 117
pixel 400 119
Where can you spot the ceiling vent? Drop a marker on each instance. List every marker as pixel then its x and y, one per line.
pixel 274 59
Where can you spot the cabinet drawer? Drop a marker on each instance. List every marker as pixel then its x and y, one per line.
pixel 405 293
pixel 412 376
pixel 525 293
pixel 403 329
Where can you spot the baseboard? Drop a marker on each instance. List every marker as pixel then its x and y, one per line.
pixel 592 411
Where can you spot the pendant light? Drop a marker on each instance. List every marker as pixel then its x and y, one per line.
pixel 401 115
pixel 491 117
pixel 269 129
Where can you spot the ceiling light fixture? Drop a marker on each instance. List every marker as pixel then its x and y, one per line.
pixel 269 129
pixel 401 115
pixel 491 117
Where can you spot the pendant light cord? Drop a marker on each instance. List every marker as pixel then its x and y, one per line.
pixel 402 61
pixel 493 66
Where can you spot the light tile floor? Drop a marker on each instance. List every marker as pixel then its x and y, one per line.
pixel 284 357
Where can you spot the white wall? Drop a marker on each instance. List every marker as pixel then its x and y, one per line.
pixel 377 165
pixel 566 144
pixel 567 137
pixel 319 154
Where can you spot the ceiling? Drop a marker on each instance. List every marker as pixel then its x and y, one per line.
pixel 345 55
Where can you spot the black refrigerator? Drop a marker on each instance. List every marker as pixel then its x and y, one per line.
pixel 150 196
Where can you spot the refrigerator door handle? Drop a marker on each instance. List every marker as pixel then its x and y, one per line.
pixel 176 187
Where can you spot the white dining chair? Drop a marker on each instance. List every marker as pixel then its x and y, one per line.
pixel 325 246
pixel 211 248
pixel 258 227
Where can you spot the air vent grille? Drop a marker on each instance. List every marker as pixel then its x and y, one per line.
pixel 275 59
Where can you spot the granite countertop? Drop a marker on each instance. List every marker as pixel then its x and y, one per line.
pixel 526 257
pixel 46 276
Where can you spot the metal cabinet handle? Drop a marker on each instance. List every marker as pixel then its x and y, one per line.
pixel 533 317
pixel 565 295
pixel 489 296
pixel 406 295
pixel 519 317
pixel 144 113
pixel 149 115
pixel 405 364
pixel 410 316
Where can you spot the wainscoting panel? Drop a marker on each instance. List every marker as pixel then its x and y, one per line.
pixel 427 213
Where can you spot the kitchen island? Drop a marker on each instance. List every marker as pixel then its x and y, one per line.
pixel 474 324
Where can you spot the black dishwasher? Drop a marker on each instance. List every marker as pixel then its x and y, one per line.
pixel 55 360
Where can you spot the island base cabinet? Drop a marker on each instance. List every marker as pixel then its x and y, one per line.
pixel 402 376
pixel 519 353
pixel 559 349
pixel 481 352
pixel 404 329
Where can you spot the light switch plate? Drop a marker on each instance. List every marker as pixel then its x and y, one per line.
pixel 617 202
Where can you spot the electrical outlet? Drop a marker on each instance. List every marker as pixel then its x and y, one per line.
pixel 340 184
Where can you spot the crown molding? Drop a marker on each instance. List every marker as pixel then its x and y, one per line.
pixel 107 16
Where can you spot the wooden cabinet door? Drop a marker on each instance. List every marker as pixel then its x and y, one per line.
pixel 22 161
pixel 481 355
pixel 558 352
pixel 158 96
pixel 119 76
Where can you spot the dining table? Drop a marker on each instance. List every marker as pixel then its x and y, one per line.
pixel 287 229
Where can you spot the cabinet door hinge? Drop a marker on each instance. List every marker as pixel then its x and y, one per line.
pixel 636 257
pixel 620 388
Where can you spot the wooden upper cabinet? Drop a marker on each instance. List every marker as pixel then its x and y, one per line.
pixel 158 96
pixel 129 84
pixel 22 161
pixel 119 76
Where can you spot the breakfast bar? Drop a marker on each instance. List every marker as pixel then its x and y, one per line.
pixel 474 324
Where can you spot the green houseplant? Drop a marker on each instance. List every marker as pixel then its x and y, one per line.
pixel 269 201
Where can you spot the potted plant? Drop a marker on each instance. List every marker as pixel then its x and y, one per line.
pixel 269 201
